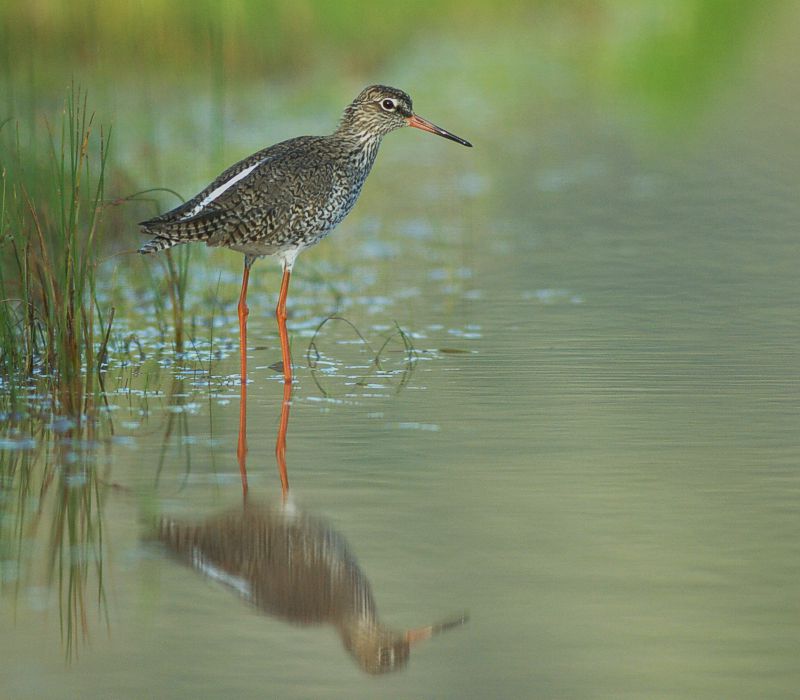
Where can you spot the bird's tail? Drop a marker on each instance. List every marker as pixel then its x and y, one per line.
pixel 156 244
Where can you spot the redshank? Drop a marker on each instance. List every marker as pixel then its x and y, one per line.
pixel 289 196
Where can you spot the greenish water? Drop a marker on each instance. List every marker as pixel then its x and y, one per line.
pixel 594 449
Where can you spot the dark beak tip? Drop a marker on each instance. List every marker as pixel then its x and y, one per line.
pixel 457 139
pixel 423 124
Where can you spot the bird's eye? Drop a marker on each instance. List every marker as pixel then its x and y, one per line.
pixel 388 105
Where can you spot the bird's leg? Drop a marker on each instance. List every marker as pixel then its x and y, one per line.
pixel 241 450
pixel 243 313
pixel 280 315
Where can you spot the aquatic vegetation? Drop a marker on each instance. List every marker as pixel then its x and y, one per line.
pixel 390 364
pixel 52 325
pixel 57 308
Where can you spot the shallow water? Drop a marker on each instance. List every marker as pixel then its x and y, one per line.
pixel 592 448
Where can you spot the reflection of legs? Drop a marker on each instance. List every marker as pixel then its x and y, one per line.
pixel 280 444
pixel 241 450
pixel 280 315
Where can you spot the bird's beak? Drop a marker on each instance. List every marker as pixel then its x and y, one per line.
pixel 420 634
pixel 425 125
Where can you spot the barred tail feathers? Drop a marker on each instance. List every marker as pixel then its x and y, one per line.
pixel 186 230
pixel 158 243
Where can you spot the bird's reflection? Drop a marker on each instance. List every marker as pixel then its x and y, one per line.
pixel 293 565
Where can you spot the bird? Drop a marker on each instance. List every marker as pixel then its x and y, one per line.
pixel 289 196
pixel 293 565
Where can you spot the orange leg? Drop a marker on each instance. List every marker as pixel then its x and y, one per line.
pixel 280 315
pixel 244 311
pixel 241 450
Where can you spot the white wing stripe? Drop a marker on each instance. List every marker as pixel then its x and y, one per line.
pixel 216 574
pixel 211 196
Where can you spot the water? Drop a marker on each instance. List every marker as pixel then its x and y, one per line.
pixel 592 448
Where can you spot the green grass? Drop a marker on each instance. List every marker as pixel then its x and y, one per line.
pixel 51 324
pixel 56 251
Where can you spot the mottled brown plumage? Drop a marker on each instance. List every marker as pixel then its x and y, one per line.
pixel 294 566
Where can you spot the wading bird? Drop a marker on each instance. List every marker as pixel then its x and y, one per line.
pixel 289 196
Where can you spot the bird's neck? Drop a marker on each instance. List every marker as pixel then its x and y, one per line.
pixel 361 147
pixel 358 136
pixel 360 634
pixel 356 127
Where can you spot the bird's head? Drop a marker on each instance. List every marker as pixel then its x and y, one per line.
pixel 381 650
pixel 379 109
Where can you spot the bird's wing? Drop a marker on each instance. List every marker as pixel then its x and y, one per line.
pixel 252 198
pixel 196 204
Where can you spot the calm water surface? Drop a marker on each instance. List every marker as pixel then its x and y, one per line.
pixel 593 448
